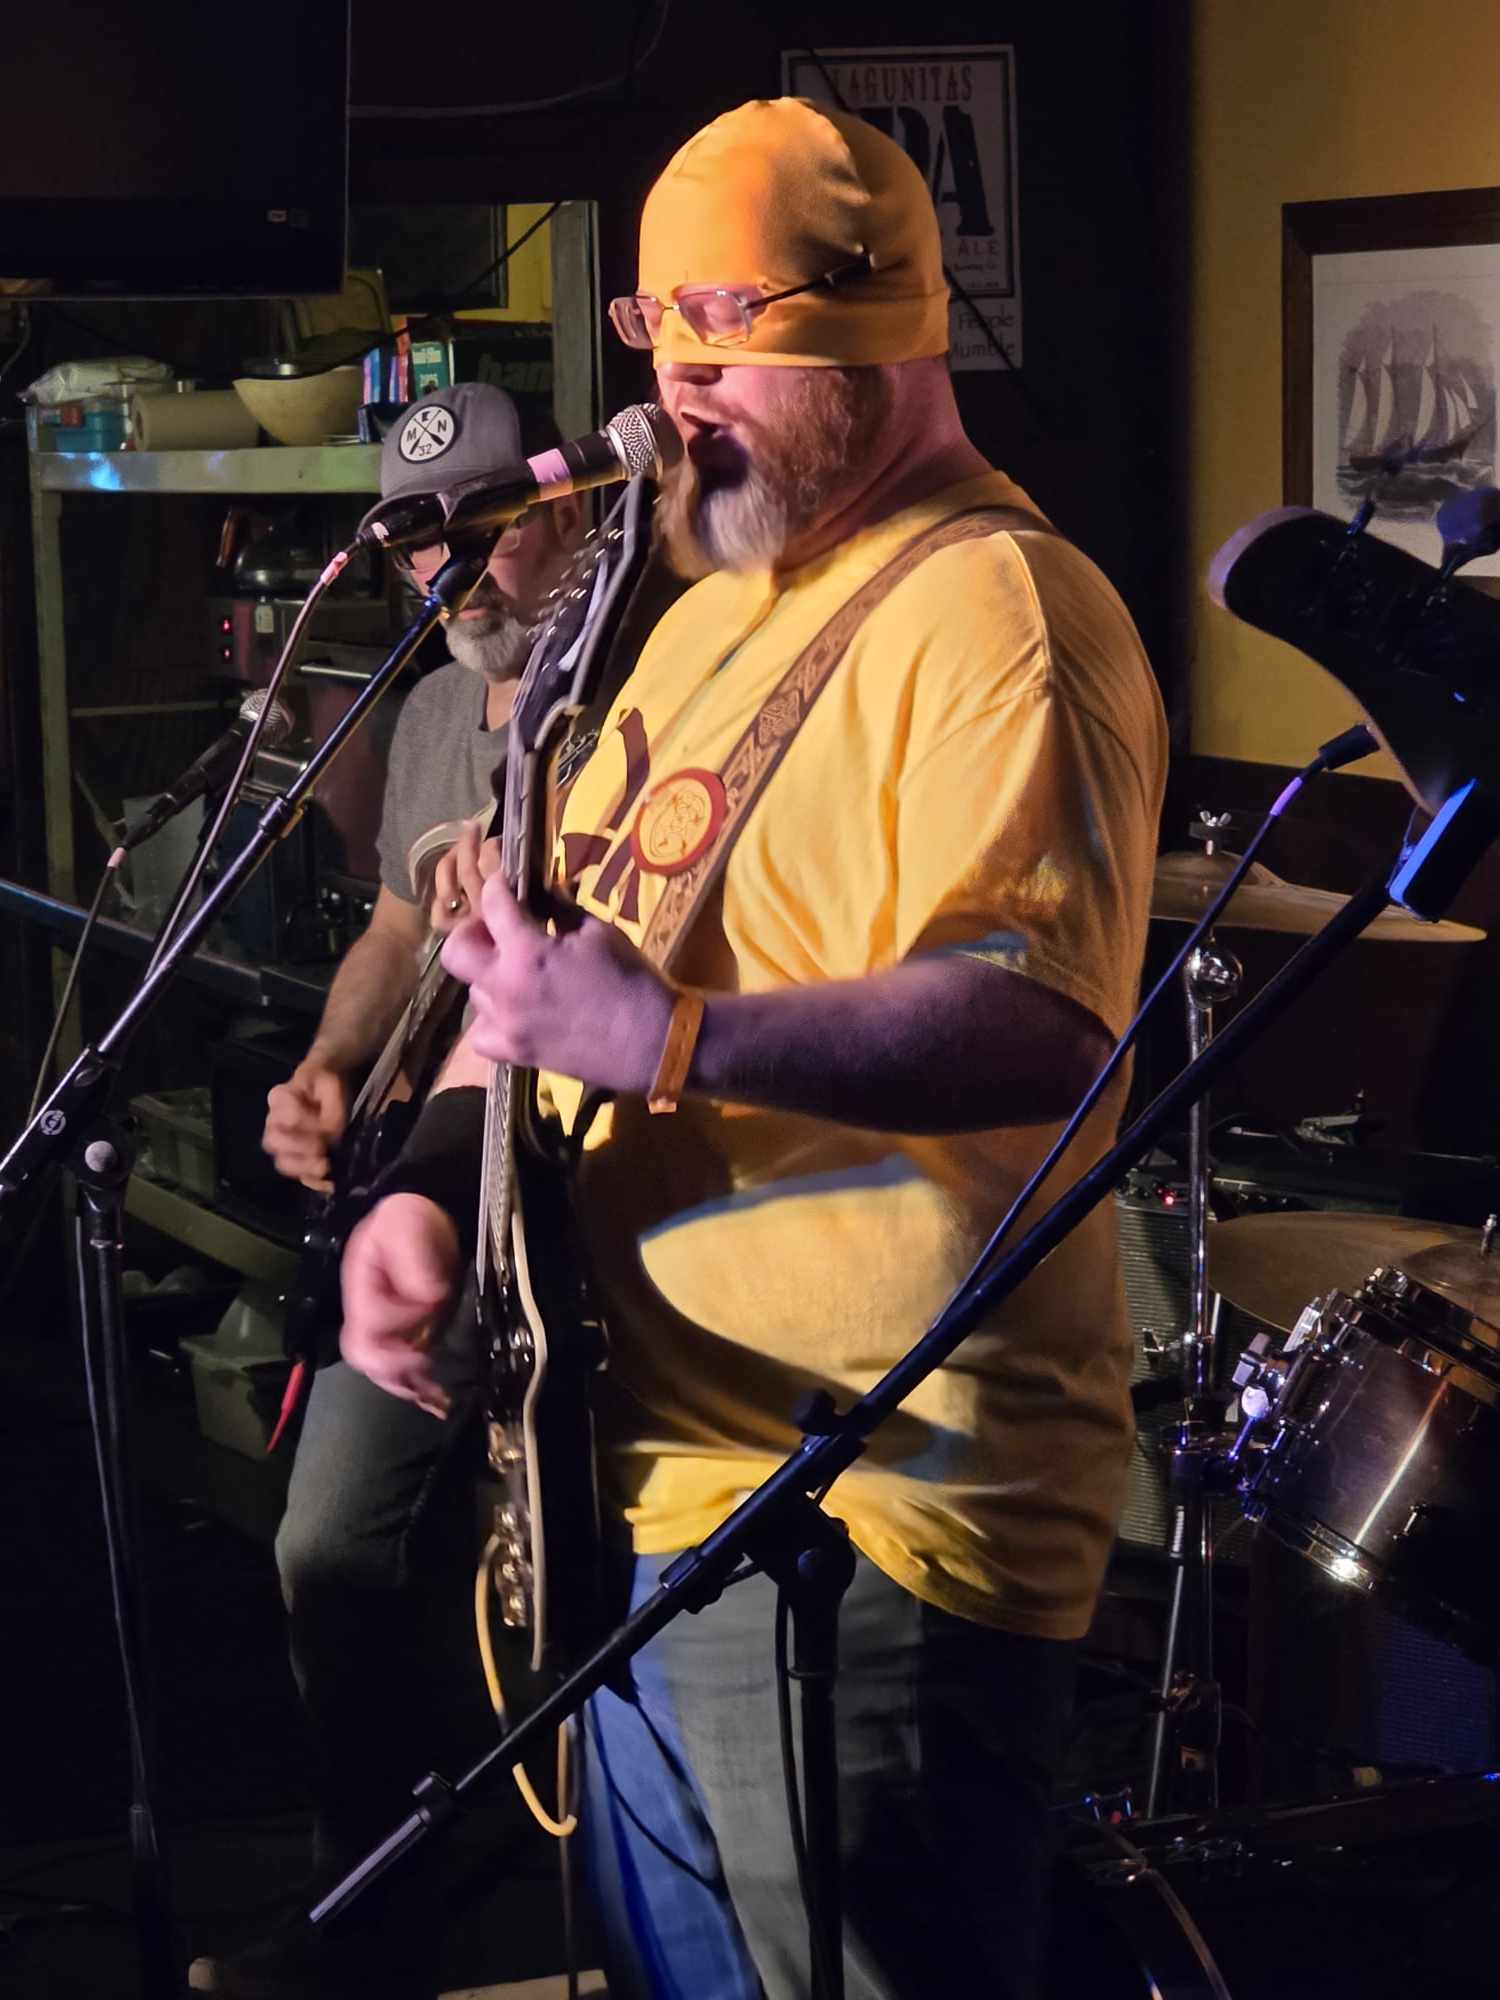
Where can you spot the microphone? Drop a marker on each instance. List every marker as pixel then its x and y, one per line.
pixel 641 439
pixel 215 764
pixel 1347 748
pixel 1469 524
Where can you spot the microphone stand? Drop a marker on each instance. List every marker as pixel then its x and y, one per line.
pixel 781 1526
pixel 74 1129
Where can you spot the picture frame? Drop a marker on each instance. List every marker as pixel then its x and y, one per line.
pixel 1391 356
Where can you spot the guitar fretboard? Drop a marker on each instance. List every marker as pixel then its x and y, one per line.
pixel 430 981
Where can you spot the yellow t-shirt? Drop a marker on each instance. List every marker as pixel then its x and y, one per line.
pixel 983 772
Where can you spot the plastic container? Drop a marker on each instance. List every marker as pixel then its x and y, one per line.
pixel 93 423
pixel 240 1372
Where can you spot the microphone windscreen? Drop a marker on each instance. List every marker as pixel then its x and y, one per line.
pixel 279 723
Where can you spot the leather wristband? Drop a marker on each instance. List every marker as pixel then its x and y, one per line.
pixel 441 1159
pixel 677 1052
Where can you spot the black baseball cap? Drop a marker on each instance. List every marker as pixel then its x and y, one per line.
pixel 450 435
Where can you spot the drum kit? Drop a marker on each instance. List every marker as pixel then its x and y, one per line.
pixel 1360 1427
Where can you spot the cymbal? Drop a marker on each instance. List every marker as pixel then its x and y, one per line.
pixel 1271 1266
pixel 1462 1272
pixel 1187 880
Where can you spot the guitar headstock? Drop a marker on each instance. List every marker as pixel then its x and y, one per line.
pixel 1418 654
pixel 582 614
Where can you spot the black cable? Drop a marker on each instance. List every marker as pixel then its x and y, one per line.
pixel 583 94
pixel 637 16
pixel 1047 422
pixel 112 341
pixel 44 1068
pixel 509 251
pixel 209 839
pixel 565 1868
pixel 23 313
pixel 105 1395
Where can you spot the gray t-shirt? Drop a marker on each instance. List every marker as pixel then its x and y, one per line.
pixel 443 765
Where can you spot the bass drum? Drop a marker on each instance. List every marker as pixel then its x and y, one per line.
pixel 1391 1895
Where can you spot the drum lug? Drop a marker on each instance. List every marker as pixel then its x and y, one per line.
pixel 1259 1375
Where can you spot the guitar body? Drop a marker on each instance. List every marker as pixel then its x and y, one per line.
pixel 544 1343
pixel 312 1308
pixel 379 1123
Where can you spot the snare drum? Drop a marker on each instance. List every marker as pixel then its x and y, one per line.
pixel 1383 1465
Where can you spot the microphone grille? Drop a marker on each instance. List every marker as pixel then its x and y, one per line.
pixel 646 438
pixel 279 723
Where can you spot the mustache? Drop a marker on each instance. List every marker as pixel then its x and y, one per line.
pixel 491 599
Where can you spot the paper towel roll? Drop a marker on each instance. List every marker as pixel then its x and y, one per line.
pixel 201 420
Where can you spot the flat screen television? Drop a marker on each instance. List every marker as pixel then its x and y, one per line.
pixel 174 149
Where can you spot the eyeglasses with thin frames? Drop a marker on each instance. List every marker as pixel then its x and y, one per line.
pixel 718 315
pixel 422 564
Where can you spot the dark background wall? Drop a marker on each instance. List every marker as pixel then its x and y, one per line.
pixel 1119 178
pixel 1091 425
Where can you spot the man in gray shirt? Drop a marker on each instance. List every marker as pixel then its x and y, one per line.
pixel 449 742
pixel 375 1551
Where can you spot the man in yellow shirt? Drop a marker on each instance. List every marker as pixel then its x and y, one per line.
pixel 924 940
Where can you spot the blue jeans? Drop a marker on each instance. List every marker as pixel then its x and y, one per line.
pixel 949 1737
pixel 376 1553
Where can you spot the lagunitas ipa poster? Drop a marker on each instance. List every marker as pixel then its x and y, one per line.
pixel 954 111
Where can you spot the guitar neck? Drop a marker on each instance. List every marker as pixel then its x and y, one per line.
pixel 506 1083
pixel 430 981
pixel 560 679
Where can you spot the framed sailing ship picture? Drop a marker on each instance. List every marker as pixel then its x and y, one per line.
pixel 1391 357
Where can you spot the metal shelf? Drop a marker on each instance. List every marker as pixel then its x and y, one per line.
pixel 303 988
pixel 276 468
pixel 209 1231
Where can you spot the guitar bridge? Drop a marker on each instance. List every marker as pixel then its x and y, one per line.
pixel 501 1449
pixel 511 1570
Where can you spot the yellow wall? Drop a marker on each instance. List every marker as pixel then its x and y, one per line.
pixel 1299 100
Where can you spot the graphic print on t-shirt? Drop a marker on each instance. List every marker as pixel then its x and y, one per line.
pixel 582 851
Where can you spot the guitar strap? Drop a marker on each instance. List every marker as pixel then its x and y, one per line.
pixel 758 754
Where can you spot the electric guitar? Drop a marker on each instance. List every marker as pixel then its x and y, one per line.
pixel 544 1340
pixel 379 1121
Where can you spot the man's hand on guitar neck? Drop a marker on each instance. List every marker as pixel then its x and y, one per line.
pixel 459 878
pixel 305 1117
pixel 400 1271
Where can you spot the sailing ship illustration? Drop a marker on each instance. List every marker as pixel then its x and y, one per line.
pixel 1445 422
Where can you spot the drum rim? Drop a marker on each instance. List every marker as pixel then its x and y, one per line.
pixel 1382 1309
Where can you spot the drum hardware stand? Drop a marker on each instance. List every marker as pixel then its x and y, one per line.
pixel 73 1129
pixel 783 1503
pixel 1186 1731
